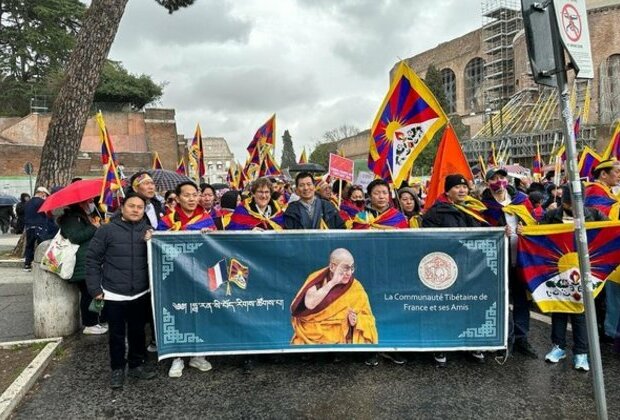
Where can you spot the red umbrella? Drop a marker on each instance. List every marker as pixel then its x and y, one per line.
pixel 73 193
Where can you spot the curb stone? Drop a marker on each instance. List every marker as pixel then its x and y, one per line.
pixel 13 395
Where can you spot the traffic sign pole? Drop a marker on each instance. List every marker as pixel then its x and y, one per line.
pixel 579 217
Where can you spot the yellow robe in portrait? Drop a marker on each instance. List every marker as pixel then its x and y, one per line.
pixel 328 323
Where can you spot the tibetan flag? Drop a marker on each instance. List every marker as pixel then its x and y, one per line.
pixel 577 127
pixel 107 149
pixel 157 162
pixel 547 257
pixel 449 160
pixel 181 169
pixel 406 122
pixel 588 160
pixel 537 164
pixel 599 196
pixel 111 184
pixel 389 219
pixel 238 273
pixel 216 275
pixel 613 148
pixel 196 153
pixel 265 135
pixel 303 159
pixel 269 166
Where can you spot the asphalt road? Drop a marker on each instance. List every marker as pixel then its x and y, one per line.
pixel 77 387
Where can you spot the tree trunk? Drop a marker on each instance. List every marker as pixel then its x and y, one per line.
pixel 18 251
pixel 72 105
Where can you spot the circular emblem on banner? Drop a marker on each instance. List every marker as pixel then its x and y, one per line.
pixel 438 271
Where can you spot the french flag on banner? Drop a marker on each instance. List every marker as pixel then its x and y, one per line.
pixel 217 274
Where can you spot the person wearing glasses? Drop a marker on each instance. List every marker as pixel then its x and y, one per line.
pixel 259 212
pixel 170 201
pixel 332 306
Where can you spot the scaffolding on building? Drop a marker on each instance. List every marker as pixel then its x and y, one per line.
pixel 501 21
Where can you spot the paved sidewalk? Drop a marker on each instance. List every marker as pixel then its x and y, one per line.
pixel 16 317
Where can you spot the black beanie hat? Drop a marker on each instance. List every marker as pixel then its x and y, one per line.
pixel 453 181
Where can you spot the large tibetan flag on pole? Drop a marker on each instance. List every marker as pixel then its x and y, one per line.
pixel 157 162
pixel 407 120
pixel 111 184
pixel 107 149
pixel 492 159
pixel 548 260
pixel 449 160
pixel 196 154
pixel 613 148
pixel 265 135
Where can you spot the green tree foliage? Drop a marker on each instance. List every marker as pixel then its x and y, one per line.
pixel 36 38
pixel 118 85
pixel 321 152
pixel 424 162
pixel 288 153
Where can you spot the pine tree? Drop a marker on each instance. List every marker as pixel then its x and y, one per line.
pixel 288 153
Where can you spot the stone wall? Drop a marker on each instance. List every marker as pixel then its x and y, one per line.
pixel 135 136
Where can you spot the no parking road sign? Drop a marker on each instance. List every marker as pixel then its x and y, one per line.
pixel 572 22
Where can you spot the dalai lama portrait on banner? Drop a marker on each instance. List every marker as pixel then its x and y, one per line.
pixel 332 306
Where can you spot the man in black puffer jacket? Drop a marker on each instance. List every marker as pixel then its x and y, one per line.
pixel 117 272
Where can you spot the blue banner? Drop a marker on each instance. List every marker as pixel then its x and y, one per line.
pixel 300 291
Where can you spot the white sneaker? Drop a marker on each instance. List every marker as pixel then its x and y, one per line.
pixel 176 369
pixel 200 363
pixel 95 330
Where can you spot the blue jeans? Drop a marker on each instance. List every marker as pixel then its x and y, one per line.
pixel 559 322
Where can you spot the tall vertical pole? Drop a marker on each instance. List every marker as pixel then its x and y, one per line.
pixel 580 229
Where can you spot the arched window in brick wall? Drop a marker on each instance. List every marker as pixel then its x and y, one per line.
pixel 609 90
pixel 448 80
pixel 474 76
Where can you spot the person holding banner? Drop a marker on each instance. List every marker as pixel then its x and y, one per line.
pixel 310 211
pixel 259 212
pixel 332 306
pixel 379 214
pixel 187 215
pixel 117 273
pixel 508 207
pixel 457 210
pixel 559 321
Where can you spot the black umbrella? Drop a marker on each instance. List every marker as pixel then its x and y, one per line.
pixel 167 180
pixel 8 200
pixel 307 167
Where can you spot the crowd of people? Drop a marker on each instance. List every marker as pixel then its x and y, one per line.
pixel 111 263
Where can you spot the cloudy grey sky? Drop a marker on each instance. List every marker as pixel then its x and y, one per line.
pixel 317 64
